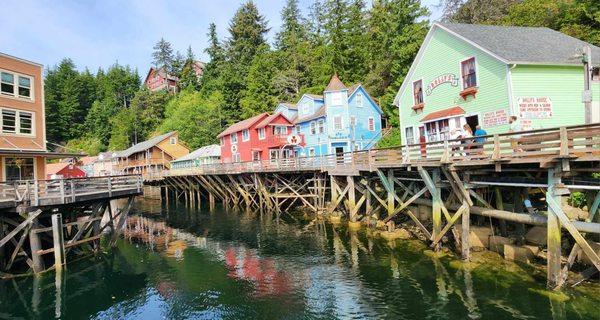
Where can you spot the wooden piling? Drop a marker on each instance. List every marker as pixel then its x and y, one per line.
pixel 58 241
pixel 35 245
pixel 553 235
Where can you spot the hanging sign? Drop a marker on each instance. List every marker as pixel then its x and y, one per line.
pixel 233 148
pixel 535 108
pixel 495 118
pixel 445 78
pixel 294 139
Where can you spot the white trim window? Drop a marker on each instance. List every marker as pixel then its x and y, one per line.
pixel 261 134
pixel 371 124
pixel 173 140
pixel 321 126
pixel 233 138
pixel 236 157
pixel 313 127
pixel 273 154
pixel 352 121
pixel 298 129
pixel 468 73
pixel 409 134
pixel 17 122
pixel 279 130
pixel 245 135
pixel 418 92
pixel 338 124
pixel 359 99
pixel 16 85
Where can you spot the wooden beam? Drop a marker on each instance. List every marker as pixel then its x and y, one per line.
pixel 554 277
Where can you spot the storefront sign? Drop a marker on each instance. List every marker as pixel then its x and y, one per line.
pixel 445 78
pixel 535 108
pixel 495 118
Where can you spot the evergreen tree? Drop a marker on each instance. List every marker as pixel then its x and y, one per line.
pixel 188 77
pixel 212 70
pixel 177 65
pixel 247 34
pixel 260 94
pixel 163 54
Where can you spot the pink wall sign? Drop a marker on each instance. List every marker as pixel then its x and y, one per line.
pixel 495 118
pixel 535 108
pixel 445 78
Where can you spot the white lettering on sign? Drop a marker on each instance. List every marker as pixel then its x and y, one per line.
pixel 495 118
pixel 535 108
pixel 445 78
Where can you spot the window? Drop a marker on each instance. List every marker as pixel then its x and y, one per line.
pixel 305 108
pixel 357 147
pixel 279 130
pixel 337 123
pixel 467 70
pixel 245 135
pixel 359 99
pixel 236 157
pixel 437 130
pixel 261 133
pixel 298 129
pixel 336 98
pixel 313 127
pixel 410 135
pixel 596 74
pixel 173 140
pixel 255 155
pixel 418 92
pixel 9 121
pixel 25 122
pixel 19 169
pixel 352 121
pixel 15 85
pixel 273 154
pixel 321 123
pixel 311 152
pixel 371 124
pixel 233 138
pixel 7 83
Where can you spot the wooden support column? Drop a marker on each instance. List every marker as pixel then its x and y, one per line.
pixel 35 245
pixel 553 233
pixel 391 192
pixel 334 192
pixel 500 206
pixel 58 241
pixel 351 198
pixel 436 200
pixel 465 250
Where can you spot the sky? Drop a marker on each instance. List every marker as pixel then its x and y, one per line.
pixel 99 33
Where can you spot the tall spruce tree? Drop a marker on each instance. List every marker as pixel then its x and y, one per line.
pixel 247 32
pixel 163 54
pixel 211 78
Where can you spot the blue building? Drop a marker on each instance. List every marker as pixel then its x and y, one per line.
pixel 343 119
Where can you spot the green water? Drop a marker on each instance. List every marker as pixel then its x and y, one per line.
pixel 232 265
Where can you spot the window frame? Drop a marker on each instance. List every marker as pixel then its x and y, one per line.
pixel 245 135
pixel 353 121
pixel 313 128
pixel 262 134
pixel 16 86
pixel 475 73
pixel 311 152
pixel 359 100
pixel 415 103
pixel 298 129
pixel 231 138
pixel 173 140
pixel 412 135
pixel 371 122
pixel 321 126
pixel 335 127
pixel 17 125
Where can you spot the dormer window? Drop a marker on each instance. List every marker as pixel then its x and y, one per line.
pixel 468 73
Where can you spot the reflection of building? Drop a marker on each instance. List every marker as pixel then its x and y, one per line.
pixel 481 75
pixel 204 155
pixel 152 155
pixel 23 151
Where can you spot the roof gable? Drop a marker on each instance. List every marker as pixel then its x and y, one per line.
pixel 144 145
pixel 244 124
pixel 359 88
pixel 335 84
pixel 277 118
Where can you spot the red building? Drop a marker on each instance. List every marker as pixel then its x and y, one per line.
pixel 261 137
pixel 159 79
pixel 63 170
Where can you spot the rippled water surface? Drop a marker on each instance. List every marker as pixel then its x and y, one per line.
pixel 231 265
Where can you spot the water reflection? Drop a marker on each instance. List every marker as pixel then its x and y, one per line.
pixel 182 263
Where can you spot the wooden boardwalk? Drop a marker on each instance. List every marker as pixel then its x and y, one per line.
pixel 434 186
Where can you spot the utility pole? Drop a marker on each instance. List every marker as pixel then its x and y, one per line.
pixel 587 92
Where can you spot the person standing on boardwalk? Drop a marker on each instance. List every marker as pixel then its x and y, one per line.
pixel 515 126
pixel 479 138
pixel 467 139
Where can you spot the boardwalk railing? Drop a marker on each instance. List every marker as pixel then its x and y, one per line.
pixel 62 191
pixel 575 142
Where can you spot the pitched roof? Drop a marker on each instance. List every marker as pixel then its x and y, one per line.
pixel 321 112
pixel 454 111
pixel 335 84
pixel 213 150
pixel 314 96
pixel 289 105
pixel 266 121
pixel 54 168
pixel 530 45
pixel 244 124
pixel 144 145
pixel 88 160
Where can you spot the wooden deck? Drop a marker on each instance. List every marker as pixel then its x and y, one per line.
pixel 545 147
pixel 46 193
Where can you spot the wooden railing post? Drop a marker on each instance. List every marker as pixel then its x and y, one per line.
pixel 72 183
pixel 564 142
pixel 496 152
pixel 109 185
pixel 62 190
pixel 36 190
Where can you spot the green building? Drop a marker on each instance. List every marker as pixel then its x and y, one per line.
pixel 482 75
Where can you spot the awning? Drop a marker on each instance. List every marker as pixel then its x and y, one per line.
pixel 446 113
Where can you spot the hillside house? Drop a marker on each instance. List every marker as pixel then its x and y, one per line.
pixel 64 170
pixel 482 75
pixel 152 155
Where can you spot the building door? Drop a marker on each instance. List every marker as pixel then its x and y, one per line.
pixel 339 154
pixel 472 121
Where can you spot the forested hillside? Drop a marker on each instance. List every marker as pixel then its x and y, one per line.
pixel 246 74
